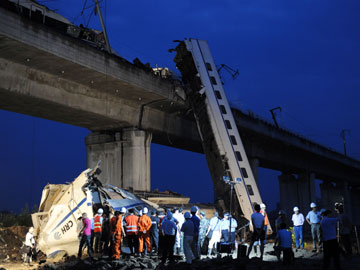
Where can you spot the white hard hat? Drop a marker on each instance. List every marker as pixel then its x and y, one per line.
pixel 140 213
pixel 296 208
pixel 31 229
pixel 193 209
pixel 145 210
pixel 123 210
pixel 312 205
pixel 187 215
pixel 262 206
pixel 100 211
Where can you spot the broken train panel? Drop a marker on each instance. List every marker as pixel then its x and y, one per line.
pixel 55 225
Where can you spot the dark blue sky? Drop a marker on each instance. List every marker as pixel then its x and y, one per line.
pixel 301 55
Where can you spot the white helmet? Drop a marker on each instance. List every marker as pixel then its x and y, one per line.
pixel 194 209
pixel 100 211
pixel 296 208
pixel 262 206
pixel 145 210
pixel 31 229
pixel 312 205
pixel 123 210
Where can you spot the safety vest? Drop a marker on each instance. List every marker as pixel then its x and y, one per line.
pixel 131 224
pixel 97 224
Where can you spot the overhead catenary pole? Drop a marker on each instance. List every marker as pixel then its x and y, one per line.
pixel 343 133
pixel 108 48
pixel 273 115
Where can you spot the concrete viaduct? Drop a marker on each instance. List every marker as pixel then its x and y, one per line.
pixel 51 75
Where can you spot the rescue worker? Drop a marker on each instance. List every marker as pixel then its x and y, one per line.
pixel 331 247
pixel 98 220
pixel 298 221
pixel 283 243
pixel 258 234
pixel 344 230
pixel 196 220
pixel 225 225
pixel 144 231
pixel 132 231
pixel 266 219
pixel 313 218
pixel 29 245
pixel 105 234
pixel 214 233
pixel 203 228
pixel 188 229
pixel 85 236
pixel 180 218
pixel 168 230
pixel 113 222
pixel 117 236
pixel 154 231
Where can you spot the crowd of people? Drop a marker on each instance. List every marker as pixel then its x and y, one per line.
pixel 160 233
pixel 330 235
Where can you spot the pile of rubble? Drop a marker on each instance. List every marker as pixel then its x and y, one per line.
pixel 11 240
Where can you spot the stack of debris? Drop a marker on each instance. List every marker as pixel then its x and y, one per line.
pixel 11 240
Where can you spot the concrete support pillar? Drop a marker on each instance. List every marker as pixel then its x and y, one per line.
pixel 306 191
pixel 288 194
pixel 254 164
pixel 136 165
pixel 125 158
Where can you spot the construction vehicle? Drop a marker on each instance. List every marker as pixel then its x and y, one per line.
pixel 61 206
pixel 220 138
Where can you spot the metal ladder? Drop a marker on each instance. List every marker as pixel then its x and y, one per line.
pixel 222 144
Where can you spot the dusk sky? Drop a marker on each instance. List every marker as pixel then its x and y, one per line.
pixel 301 55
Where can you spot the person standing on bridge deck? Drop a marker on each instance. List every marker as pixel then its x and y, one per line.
pixel 298 221
pixel 98 220
pixel 314 218
pixel 258 234
pixel 144 231
pixel 331 247
pixel 85 234
pixel 196 220
pixel 132 231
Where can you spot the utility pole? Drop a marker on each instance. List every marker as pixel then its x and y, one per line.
pixel 108 48
pixel 342 134
pixel 273 115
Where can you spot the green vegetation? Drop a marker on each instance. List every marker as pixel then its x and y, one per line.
pixel 8 219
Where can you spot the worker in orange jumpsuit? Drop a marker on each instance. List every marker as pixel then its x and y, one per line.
pixel 145 224
pixel 113 221
pixel 117 237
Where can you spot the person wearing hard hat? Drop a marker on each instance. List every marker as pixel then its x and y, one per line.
pixel 203 227
pixel 280 219
pixel 168 230
pixel 266 219
pixel 214 233
pixel 132 231
pixel 298 221
pixel 331 246
pixel 98 220
pixel 180 218
pixel 314 218
pixel 117 235
pixel 224 227
pixel 196 220
pixel 144 231
pixel 188 229
pixel 29 245
pixel 154 231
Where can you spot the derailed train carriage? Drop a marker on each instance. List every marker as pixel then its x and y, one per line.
pixel 55 225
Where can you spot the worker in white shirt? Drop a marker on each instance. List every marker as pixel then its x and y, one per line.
pixel 298 221
pixel 29 245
